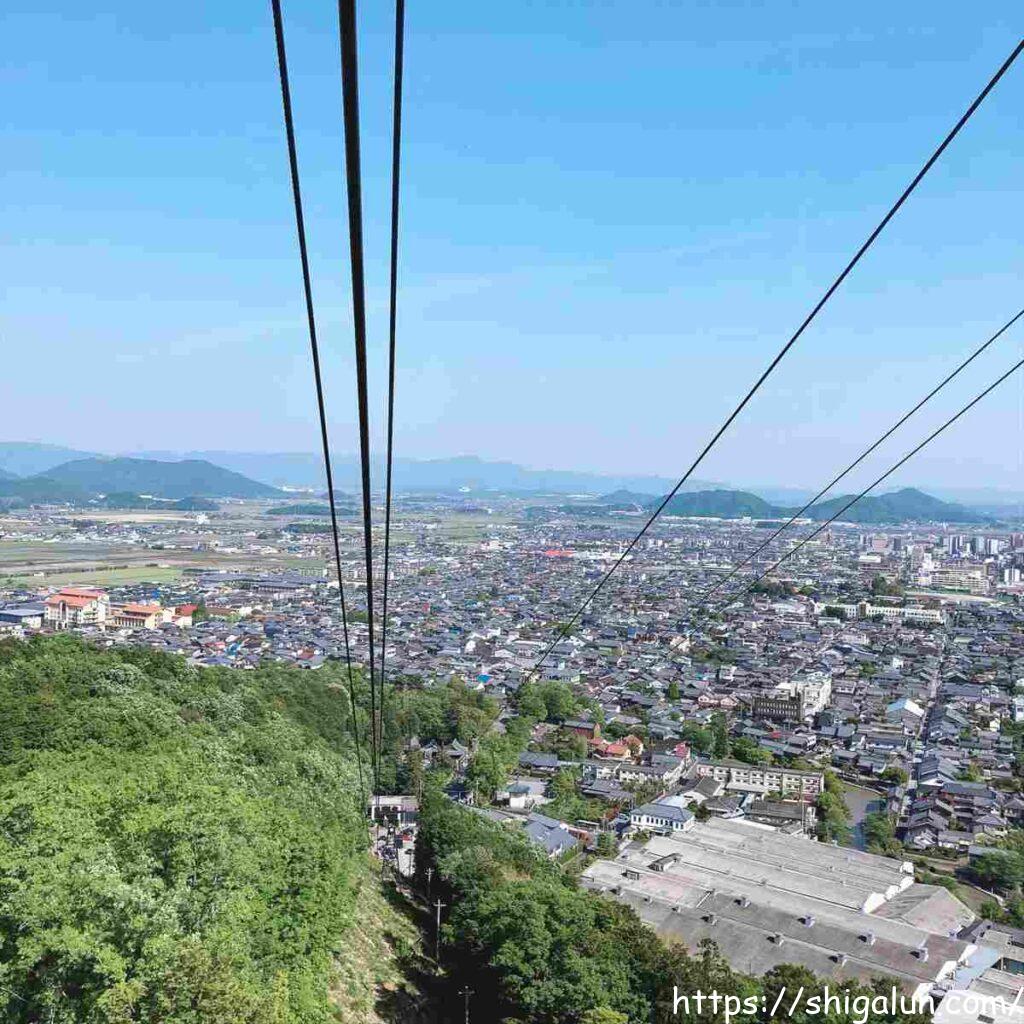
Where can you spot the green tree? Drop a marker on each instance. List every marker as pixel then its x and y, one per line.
pixel 603 1015
pixel 747 750
pixel 720 735
pixel 700 739
pixel 1001 870
pixel 880 833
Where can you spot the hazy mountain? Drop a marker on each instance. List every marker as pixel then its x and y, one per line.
pixel 28 458
pixel 624 501
pixel 5 475
pixel 903 506
pixel 39 490
pixel 908 505
pixel 187 479
pixel 305 469
pixel 279 469
pixel 727 504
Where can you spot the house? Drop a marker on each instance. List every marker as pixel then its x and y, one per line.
pixel 23 616
pixel 552 836
pixel 460 793
pixel 182 615
pixel 905 712
pixel 662 816
pixel 456 755
pixel 521 794
pixel 581 727
pixel 607 789
pixel 539 762
pixel 661 774
pixel 780 813
pixel 697 791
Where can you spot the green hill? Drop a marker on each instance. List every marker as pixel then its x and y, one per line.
pixel 176 845
pixel 187 479
pixel 908 505
pixel 723 503
pixel 903 506
pixel 135 501
pixel 39 490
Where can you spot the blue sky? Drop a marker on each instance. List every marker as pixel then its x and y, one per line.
pixel 614 214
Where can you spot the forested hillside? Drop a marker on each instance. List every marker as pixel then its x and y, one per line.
pixel 175 845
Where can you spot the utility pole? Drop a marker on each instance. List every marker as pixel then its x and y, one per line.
pixel 466 992
pixel 437 933
pixel 430 875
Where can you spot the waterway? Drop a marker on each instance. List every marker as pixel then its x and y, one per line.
pixel 861 802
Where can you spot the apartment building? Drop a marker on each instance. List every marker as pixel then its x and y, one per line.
pixel 867 610
pixel 752 778
pixel 77 606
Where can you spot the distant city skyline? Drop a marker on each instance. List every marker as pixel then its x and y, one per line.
pixel 613 215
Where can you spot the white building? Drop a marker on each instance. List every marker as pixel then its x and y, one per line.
pixel 662 816
pixel 75 606
pixel 892 613
pixel 814 689
pixel 757 779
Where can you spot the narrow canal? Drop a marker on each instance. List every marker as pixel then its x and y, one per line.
pixel 861 803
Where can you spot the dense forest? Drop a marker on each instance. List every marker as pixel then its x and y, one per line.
pixel 175 845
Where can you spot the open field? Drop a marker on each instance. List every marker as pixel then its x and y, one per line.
pixel 99 577
pixel 43 564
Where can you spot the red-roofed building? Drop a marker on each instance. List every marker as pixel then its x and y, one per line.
pixel 182 615
pixel 138 616
pixel 682 750
pixel 77 606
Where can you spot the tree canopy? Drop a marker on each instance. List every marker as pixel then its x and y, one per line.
pixel 176 845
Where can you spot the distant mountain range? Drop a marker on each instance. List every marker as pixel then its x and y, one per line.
pixel 83 479
pixel 29 458
pixel 189 478
pixel 305 470
pixel 903 506
pixel 31 472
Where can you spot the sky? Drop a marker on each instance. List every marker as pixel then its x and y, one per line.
pixel 613 215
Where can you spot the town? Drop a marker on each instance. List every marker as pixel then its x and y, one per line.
pixel 870 695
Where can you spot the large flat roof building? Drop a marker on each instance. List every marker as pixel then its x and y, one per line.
pixel 767 898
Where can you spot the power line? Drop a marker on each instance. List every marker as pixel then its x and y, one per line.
pixel 789 344
pixel 860 458
pixel 906 458
pixel 300 226
pixel 396 166
pixel 350 109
